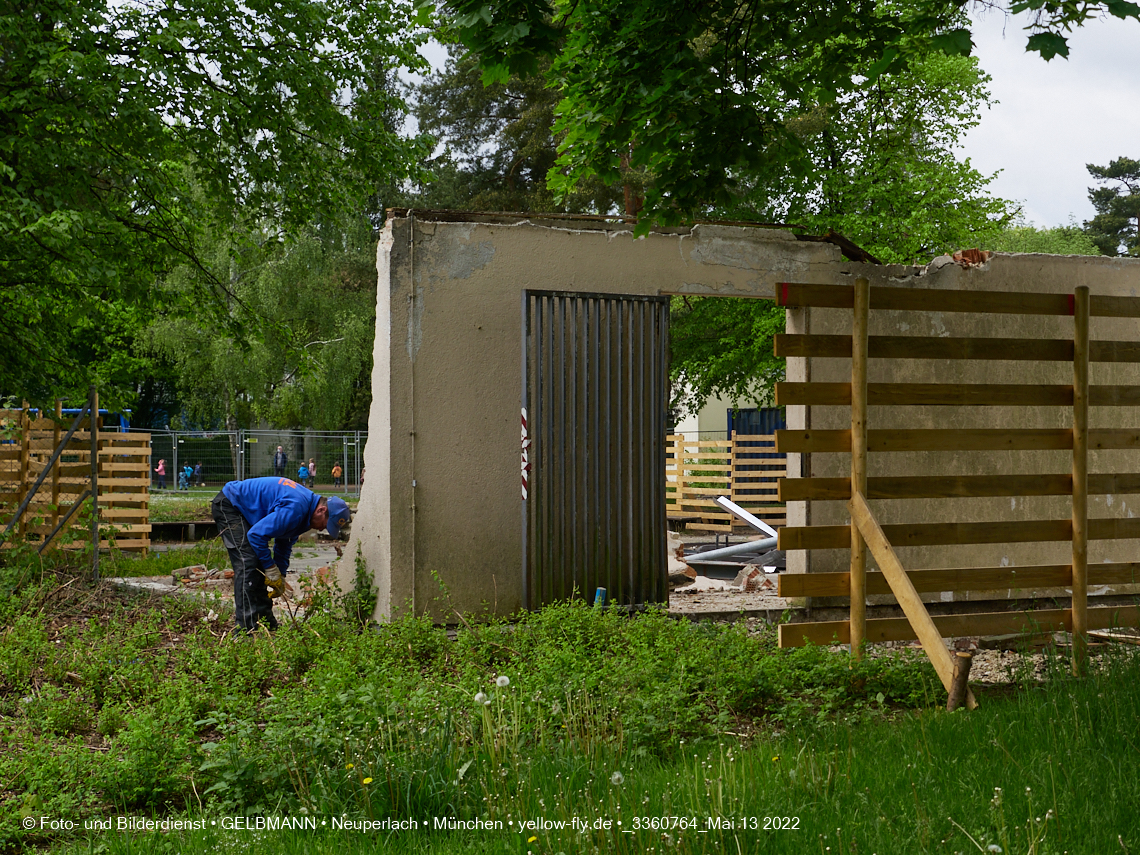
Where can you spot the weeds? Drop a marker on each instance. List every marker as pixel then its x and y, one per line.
pixel 116 706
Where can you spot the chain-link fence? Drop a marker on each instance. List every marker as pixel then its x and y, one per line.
pixel 187 460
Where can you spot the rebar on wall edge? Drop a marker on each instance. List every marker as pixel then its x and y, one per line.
pixel 514 217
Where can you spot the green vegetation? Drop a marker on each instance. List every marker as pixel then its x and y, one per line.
pixel 133 135
pixel 702 96
pixel 1060 240
pixel 208 552
pixel 1116 227
pixel 112 706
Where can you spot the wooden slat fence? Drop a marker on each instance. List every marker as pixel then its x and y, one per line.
pixel 27 443
pixel 859 441
pixel 744 467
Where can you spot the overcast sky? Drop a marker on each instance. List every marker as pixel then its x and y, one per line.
pixel 1057 116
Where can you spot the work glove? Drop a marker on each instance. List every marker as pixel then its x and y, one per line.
pixel 274 581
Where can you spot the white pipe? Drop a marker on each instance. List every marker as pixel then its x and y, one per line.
pixel 736 548
pixel 753 521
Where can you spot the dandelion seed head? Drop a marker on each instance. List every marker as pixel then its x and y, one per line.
pixel 502 681
pixel 480 697
pixel 617 779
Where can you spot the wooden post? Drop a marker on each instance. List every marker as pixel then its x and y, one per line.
pixel 904 592
pixel 25 466
pixel 95 482
pixel 859 462
pixel 960 683
pixel 55 467
pixel 1080 475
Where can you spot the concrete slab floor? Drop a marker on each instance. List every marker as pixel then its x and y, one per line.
pixel 307 558
pixel 707 598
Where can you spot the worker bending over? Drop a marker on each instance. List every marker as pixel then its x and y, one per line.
pixel 250 513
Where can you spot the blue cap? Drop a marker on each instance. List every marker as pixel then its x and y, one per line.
pixel 339 516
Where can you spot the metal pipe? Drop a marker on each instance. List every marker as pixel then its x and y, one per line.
pixel 735 549
pixel 753 521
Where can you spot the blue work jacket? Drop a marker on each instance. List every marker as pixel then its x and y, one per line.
pixel 277 508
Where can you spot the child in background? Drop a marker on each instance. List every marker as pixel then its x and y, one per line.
pixel 302 474
pixel 160 471
pixel 312 473
pixel 337 473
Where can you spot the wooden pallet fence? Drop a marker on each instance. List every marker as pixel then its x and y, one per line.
pixel 859 441
pixel 700 470
pixel 27 442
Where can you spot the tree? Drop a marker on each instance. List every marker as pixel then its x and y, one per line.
pixel 127 127
pixel 697 94
pixel 879 166
pixel 498 142
pixel 1060 240
pixel 1114 229
pixel 314 303
pixel 722 347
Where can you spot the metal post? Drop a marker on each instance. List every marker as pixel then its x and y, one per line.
pixel 175 470
pixel 95 482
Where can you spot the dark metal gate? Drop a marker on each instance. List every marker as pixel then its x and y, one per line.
pixel 595 396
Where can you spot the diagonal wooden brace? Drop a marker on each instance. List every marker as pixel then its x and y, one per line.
pixel 905 593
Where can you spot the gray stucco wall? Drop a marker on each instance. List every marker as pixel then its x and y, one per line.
pixel 444 424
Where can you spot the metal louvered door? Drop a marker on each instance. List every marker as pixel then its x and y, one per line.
pixel 595 395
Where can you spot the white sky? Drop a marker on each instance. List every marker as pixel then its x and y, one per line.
pixel 1057 116
pixel 1051 118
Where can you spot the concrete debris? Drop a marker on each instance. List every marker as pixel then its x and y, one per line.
pixel 751 579
pixel 972 257
pixel 1016 641
pixel 704 583
pixel 680 573
pixel 186 572
pixel 198 575
pixel 682 577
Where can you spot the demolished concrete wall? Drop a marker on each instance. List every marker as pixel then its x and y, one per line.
pixel 438 527
pixel 439 520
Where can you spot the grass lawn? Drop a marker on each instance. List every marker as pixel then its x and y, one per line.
pixel 695 737
pixel 194 504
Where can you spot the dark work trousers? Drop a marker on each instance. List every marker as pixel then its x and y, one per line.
pixel 251 599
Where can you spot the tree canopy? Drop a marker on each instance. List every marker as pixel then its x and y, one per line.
pixel 696 95
pixel 313 300
pixel 1059 240
pixel 127 127
pixel 497 142
pixel 1116 227
pixel 880 166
